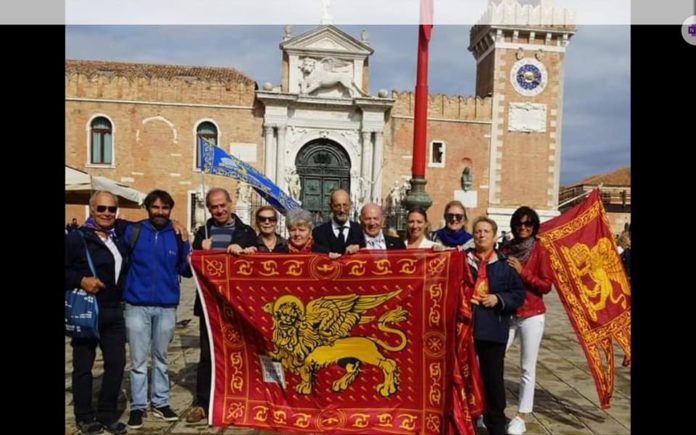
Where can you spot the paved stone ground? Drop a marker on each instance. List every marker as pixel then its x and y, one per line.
pixel 565 403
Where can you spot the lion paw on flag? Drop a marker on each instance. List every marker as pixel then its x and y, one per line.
pixel 362 344
pixel 592 285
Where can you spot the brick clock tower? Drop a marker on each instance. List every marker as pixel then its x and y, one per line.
pixel 519 51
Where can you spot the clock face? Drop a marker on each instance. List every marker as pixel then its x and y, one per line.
pixel 528 77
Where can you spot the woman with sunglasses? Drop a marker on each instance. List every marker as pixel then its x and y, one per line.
pixel 268 239
pixel 531 261
pixel 453 233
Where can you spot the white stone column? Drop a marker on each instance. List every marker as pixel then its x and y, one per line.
pixel 366 167
pixel 280 158
pixel 377 165
pixel 269 153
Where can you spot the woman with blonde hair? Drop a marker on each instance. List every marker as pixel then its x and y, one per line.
pixel 453 234
pixel 268 239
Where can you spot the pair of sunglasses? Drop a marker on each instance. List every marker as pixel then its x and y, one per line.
pixel 528 224
pixel 103 208
pixel 267 219
pixel 454 217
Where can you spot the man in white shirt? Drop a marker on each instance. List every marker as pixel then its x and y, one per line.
pixel 372 223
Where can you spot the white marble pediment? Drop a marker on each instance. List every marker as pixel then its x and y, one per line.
pixel 326 44
pixel 327 39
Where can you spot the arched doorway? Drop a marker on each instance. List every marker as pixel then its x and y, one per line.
pixel 322 165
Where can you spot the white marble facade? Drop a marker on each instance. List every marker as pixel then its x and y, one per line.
pixel 325 100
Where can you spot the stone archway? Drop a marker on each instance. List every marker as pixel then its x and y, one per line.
pixel 323 165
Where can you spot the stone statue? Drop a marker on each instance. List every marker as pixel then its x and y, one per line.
pixel 395 195
pixel 364 186
pixel 326 73
pixel 243 193
pixel 326 17
pixel 466 179
pixel 294 186
pixel 199 213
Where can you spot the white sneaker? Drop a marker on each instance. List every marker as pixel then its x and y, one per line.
pixel 516 426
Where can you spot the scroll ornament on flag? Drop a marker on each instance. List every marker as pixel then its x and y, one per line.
pixel 303 343
pixel 592 285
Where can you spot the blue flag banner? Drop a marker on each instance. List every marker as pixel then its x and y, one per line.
pixel 218 162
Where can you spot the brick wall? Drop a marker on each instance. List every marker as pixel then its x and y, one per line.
pixel 154 126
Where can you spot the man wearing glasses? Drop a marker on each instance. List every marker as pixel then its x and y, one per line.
pixel 224 230
pixel 98 236
pixel 338 233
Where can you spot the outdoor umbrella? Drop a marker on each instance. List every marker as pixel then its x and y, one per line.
pixel 80 185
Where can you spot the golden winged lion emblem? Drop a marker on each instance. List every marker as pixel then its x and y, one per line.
pixel 308 338
pixel 602 265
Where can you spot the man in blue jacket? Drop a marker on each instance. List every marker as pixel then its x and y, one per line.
pixel 152 294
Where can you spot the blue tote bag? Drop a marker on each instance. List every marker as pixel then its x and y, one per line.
pixel 81 309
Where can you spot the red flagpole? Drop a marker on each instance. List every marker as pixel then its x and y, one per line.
pixel 417 196
pixel 421 106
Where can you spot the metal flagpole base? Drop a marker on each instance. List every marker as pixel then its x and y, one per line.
pixel 417 196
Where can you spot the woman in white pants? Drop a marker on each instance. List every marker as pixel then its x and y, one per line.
pixel 531 261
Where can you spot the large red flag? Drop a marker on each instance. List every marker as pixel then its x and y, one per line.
pixel 592 286
pixel 362 344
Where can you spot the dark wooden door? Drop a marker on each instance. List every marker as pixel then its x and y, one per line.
pixel 323 166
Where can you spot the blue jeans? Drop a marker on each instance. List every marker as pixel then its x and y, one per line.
pixel 149 327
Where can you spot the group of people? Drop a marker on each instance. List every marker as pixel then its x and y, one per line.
pixel 137 290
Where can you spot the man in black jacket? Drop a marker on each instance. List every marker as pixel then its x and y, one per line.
pixel 224 230
pixel 372 222
pixel 108 257
pixel 338 232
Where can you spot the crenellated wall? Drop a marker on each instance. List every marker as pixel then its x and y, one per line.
pixel 455 107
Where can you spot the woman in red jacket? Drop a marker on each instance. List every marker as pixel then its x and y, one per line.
pixel 531 261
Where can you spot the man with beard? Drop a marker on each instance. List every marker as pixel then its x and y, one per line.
pixel 152 294
pixel 338 233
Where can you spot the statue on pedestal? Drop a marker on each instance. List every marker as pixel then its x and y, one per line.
pixel 294 185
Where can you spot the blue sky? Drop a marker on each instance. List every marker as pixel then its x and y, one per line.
pixel 596 117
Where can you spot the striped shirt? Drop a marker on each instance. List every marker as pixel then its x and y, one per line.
pixel 222 235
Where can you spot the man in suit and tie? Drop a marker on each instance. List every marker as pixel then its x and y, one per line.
pixel 372 222
pixel 339 232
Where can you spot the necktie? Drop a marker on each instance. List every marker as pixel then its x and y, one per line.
pixel 341 230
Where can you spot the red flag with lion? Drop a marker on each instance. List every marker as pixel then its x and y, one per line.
pixel 592 286
pixel 303 343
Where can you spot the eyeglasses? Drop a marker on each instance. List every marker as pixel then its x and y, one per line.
pixel 103 208
pixel 454 217
pixel 266 219
pixel 528 224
